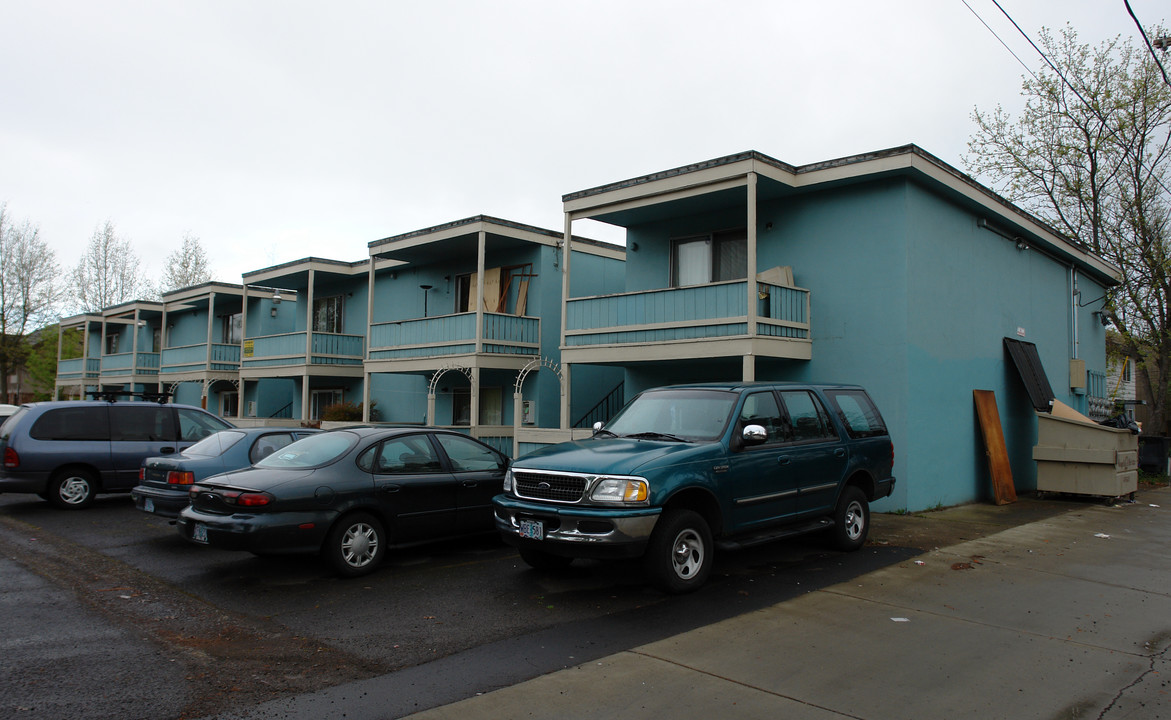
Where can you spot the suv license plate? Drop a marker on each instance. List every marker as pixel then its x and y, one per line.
pixel 199 533
pixel 532 529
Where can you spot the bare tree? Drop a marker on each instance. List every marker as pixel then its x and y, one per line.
pixel 109 273
pixel 186 266
pixel 1091 155
pixel 29 290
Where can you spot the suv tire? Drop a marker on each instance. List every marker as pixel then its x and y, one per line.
pixel 851 519
pixel 679 555
pixel 72 489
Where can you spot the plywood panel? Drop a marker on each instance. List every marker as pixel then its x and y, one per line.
pixel 1002 484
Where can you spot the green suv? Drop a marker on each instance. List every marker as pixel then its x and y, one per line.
pixel 682 467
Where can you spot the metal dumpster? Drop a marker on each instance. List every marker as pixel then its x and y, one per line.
pixel 1084 458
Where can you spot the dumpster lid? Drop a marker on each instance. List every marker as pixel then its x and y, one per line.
pixel 1028 364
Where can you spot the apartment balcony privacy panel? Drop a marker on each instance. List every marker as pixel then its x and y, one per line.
pixel 289 349
pixel 193 358
pixel 697 312
pixel 454 335
pixel 78 369
pixel 143 363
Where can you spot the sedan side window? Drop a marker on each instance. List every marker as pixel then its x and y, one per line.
pixel 810 421
pixel 407 455
pixel 467 454
pixel 268 444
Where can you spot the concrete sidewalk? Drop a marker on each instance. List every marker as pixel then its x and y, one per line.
pixel 1065 617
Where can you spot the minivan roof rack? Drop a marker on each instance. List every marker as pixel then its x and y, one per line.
pixel 159 396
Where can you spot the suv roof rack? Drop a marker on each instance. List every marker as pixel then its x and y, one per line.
pixel 159 396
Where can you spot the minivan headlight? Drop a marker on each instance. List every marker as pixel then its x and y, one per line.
pixel 621 490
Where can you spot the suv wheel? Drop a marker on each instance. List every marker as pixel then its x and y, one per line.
pixel 679 556
pixel 851 519
pixel 72 489
pixel 355 545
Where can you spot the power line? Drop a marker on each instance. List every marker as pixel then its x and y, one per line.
pixel 1148 41
pixel 1002 42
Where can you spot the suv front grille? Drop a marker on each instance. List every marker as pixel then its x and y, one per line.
pixel 556 487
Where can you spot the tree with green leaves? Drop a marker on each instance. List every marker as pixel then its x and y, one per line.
pixel 29 290
pixel 186 266
pixel 1090 154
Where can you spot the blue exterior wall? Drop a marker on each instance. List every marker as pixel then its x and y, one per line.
pixel 912 299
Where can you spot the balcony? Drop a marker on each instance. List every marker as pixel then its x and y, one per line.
pixel 455 335
pixel 121 364
pixel 690 322
pixel 195 359
pixel 78 370
pixel 326 349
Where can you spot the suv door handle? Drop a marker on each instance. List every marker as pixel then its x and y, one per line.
pixel 840 452
pixel 784 460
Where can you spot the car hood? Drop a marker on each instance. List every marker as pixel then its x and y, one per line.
pixel 252 478
pixel 616 456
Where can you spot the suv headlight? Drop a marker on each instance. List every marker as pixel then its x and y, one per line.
pixel 508 480
pixel 621 490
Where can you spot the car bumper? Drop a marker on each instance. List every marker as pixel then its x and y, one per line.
pixel 166 503
pixel 577 532
pixel 884 488
pixel 274 533
pixel 24 483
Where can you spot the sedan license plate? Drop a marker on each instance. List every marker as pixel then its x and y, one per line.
pixel 199 533
pixel 532 529
pixel 148 505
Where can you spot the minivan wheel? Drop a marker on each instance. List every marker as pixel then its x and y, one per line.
pixel 851 519
pixel 355 545
pixel 72 489
pixel 679 556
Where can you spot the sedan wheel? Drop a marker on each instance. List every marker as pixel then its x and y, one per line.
pixel 356 545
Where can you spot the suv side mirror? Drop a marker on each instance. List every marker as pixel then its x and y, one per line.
pixel 754 434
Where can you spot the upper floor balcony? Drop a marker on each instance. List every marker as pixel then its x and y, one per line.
pixel 78 370
pixel 200 358
pixel 696 321
pixel 131 363
pixel 446 335
pixel 320 349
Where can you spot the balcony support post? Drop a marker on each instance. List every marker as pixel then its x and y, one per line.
pixel 565 417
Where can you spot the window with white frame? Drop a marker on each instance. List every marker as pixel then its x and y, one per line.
pixel 111 344
pixel 327 314
pixel 232 329
pixel 712 257
pixel 229 404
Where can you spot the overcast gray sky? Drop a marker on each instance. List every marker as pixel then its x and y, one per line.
pixel 277 130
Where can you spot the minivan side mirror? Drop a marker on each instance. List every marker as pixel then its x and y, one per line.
pixel 754 434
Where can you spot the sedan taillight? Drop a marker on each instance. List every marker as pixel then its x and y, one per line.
pixel 176 477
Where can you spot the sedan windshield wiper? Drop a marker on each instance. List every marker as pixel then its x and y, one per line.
pixel 652 435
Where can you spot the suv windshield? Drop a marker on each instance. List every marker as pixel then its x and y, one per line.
pixel 685 414
pixel 311 451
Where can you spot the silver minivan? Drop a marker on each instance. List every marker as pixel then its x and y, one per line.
pixel 68 451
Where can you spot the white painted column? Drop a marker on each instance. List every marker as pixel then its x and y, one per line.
pixel 565 253
pixel 749 359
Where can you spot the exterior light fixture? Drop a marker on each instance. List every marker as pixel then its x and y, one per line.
pixel 276 297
